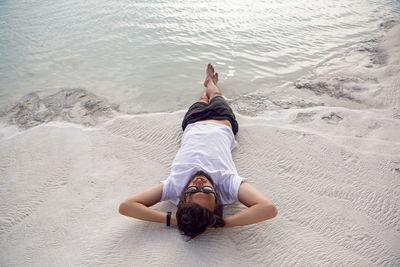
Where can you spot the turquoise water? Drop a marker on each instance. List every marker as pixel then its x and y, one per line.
pixel 150 56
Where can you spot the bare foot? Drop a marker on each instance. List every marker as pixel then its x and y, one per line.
pixel 210 75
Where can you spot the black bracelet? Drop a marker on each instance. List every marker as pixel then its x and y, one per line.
pixel 169 218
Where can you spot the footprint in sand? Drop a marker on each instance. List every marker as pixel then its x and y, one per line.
pixel 303 117
pixel 332 118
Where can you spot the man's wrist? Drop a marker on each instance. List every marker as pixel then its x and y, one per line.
pixel 173 220
pixel 228 222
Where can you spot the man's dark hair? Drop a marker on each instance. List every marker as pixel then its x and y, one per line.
pixel 193 219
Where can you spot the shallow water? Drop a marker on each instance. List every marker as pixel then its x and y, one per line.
pixel 150 56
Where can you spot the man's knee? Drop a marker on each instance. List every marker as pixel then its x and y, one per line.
pixel 204 99
pixel 213 94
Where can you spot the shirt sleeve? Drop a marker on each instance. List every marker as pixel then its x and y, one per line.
pixel 169 192
pixel 235 184
pixel 164 195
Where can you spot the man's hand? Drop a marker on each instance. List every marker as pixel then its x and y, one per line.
pixel 260 207
pixel 137 206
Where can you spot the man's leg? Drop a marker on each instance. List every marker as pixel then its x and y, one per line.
pixel 213 91
pixel 204 98
pixel 217 111
pixel 211 83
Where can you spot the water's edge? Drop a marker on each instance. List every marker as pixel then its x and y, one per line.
pixel 351 84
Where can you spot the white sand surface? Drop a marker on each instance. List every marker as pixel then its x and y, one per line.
pixel 333 172
pixel 337 194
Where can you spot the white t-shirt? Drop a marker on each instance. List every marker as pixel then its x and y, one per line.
pixel 206 146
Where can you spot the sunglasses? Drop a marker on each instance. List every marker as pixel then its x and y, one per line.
pixel 195 189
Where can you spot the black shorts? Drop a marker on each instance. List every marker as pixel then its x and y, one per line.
pixel 218 109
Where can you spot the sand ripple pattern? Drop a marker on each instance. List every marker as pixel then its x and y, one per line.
pixel 338 203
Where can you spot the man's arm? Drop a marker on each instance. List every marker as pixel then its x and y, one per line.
pixel 260 207
pixel 137 206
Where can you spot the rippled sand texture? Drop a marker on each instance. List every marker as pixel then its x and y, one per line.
pixel 337 195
